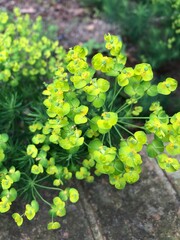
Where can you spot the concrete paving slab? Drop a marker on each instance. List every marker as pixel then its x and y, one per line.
pixel 74 226
pixel 175 181
pixel 147 210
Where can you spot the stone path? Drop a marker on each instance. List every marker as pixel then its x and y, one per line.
pixel 147 210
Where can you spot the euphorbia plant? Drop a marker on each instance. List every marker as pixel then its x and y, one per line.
pixel 27 55
pixel 92 128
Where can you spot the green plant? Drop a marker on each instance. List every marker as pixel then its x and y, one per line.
pixel 153 26
pixel 92 3
pixel 90 129
pixel 26 54
pixel 94 46
pixel 28 58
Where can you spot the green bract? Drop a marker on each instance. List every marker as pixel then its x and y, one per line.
pixel 167 86
pixel 73 195
pixel 18 219
pixel 53 225
pixel 88 127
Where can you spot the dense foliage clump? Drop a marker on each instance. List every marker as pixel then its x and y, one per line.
pixel 26 54
pixel 153 26
pixel 28 58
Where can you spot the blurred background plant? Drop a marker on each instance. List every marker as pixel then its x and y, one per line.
pixel 152 25
pixel 28 58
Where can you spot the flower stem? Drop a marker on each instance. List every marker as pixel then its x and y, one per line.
pixel 118 133
pixel 124 106
pixel 135 118
pixel 46 187
pixel 39 195
pixel 109 137
pixel 114 98
pixel 125 129
pixel 133 125
pixel 42 179
pixel 103 138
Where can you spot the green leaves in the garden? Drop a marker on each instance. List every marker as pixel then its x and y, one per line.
pixel 32 150
pixel 91 122
pixel 3 145
pixel 124 77
pixel 155 148
pixel 168 86
pixel 167 163
pixel 109 119
pixel 144 70
pixel 5 204
pixel 18 219
pixel 31 209
pixel 73 195
pixel 53 225
pixel 103 64
pixel 33 55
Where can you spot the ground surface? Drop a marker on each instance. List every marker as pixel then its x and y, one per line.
pixel 148 210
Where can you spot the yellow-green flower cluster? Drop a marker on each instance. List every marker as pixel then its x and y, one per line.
pixel 25 53
pixel 84 118
pixel 8 177
pixel 166 132
pixel 90 129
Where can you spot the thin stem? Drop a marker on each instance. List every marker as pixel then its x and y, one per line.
pixel 86 144
pixel 125 129
pixel 25 189
pixel 131 124
pixel 114 92
pixel 42 179
pixel 109 137
pixel 24 179
pixel 32 191
pixel 46 187
pixel 124 106
pixel 39 195
pixel 135 118
pixel 114 97
pixel 23 173
pixel 118 133
pixel 103 138
pixel 18 190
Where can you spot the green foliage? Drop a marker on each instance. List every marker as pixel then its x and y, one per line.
pixel 28 58
pixel 25 53
pixel 93 46
pixel 88 129
pixel 153 25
